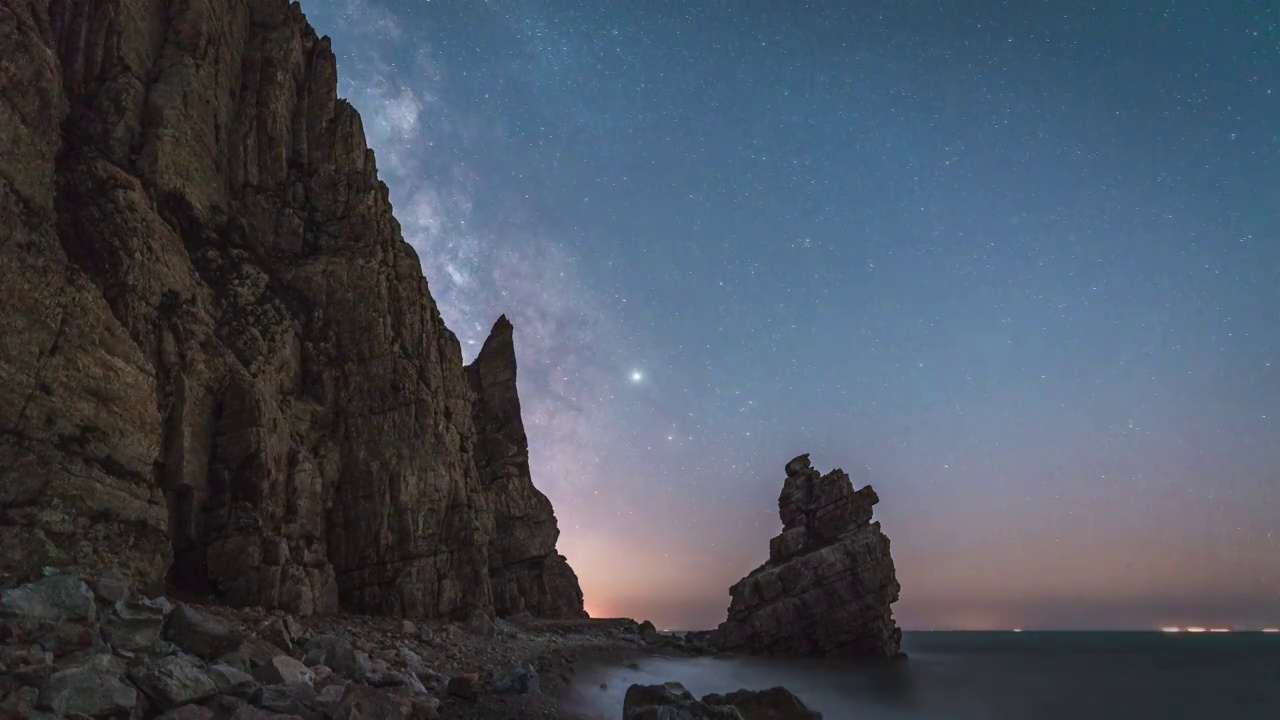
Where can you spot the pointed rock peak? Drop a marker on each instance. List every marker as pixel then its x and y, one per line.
pixel 501 342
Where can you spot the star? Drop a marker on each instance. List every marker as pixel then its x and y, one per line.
pixel 636 377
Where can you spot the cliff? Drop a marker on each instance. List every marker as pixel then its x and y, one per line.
pixel 829 583
pixel 221 368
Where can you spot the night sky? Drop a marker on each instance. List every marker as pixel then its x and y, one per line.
pixel 1017 265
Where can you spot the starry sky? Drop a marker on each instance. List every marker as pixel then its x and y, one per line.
pixel 1015 264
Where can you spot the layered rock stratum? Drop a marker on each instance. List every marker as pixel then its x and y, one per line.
pixel 221 368
pixel 829 583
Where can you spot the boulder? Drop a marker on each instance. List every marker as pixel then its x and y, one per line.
pixel 519 680
pixel 96 689
pixel 284 670
pixel 201 633
pixel 334 652
pixel 829 583
pixel 173 680
pixel 776 703
pixel 670 701
pixel 134 624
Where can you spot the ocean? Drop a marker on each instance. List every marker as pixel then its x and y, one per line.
pixel 991 676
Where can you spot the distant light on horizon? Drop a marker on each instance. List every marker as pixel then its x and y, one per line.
pixel 1196 630
pixel 1171 629
pixel 1220 630
pixel 1271 630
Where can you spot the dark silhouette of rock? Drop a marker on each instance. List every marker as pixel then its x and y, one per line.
pixel 671 701
pixel 829 581
pixel 221 367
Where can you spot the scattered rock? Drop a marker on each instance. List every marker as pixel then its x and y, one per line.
pixel 366 703
pixel 777 703
pixel 283 669
pixel 173 680
pixel 670 701
pixel 829 582
pixel 96 689
pixel 231 681
pixel 465 686
pixel 519 680
pixel 482 625
pixel 287 698
pixel 276 632
pixel 335 652
pixel 200 633
pixel 187 712
pixel 135 624
pixel 53 599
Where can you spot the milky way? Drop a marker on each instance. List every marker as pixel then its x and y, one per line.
pixel 1019 268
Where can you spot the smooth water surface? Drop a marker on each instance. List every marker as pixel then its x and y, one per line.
pixel 992 676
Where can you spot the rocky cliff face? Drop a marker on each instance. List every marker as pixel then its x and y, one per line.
pixel 220 365
pixel 829 581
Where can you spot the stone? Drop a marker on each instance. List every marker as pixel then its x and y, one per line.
pixel 276 632
pixel 53 599
pixel 21 703
pixel 829 584
pixel 134 624
pixel 412 661
pixel 407 627
pixel 223 367
pixel 482 625
pixel 95 689
pixel 465 686
pixel 249 712
pixel 519 680
pixel 172 681
pixel 283 670
pixel 649 633
pixel 200 633
pixel 287 698
pixel 776 703
pixel 360 702
pixel 187 712
pixel 231 681
pixel 253 653
pixel 670 701
pixel 334 652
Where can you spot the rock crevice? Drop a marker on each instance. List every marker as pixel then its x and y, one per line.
pixel 221 367
pixel 829 583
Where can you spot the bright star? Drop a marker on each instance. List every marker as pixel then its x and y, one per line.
pixel 636 376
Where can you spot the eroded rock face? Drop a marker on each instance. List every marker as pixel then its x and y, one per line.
pixel 220 365
pixel 829 582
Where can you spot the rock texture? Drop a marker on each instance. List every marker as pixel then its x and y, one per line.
pixel 671 701
pixel 63 655
pixel 220 365
pixel 829 581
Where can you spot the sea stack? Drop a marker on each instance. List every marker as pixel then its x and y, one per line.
pixel 828 585
pixel 221 368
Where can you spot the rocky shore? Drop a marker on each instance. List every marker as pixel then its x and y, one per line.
pixel 75 647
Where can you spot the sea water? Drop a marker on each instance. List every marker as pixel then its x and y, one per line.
pixel 990 676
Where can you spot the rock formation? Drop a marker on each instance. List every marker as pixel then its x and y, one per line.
pixel 671 701
pixel 829 581
pixel 220 364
